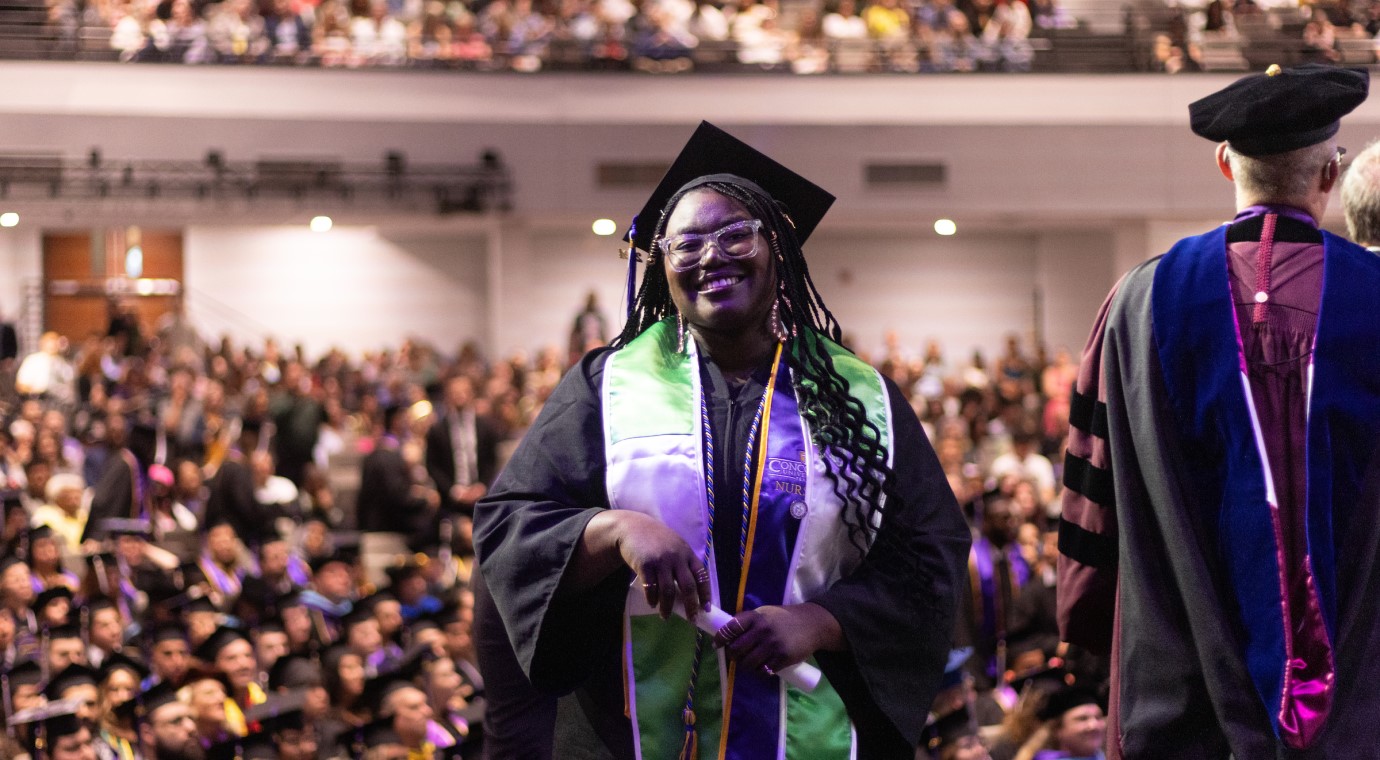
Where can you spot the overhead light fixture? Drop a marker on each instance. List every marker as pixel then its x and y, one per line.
pixel 945 227
pixel 605 227
pixel 9 219
pixel 321 224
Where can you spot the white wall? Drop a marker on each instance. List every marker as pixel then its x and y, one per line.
pixel 351 287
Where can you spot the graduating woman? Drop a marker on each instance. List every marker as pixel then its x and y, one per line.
pixel 727 450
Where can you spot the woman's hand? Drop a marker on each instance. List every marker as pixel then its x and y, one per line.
pixel 664 563
pixel 771 638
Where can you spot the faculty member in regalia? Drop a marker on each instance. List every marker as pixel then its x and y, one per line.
pixel 1220 533
pixel 727 449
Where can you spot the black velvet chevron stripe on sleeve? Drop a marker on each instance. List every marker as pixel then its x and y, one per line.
pixel 1093 482
pixel 1088 414
pixel 1085 547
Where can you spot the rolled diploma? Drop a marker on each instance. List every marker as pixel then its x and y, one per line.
pixel 801 675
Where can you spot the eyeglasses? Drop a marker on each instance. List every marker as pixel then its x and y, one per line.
pixel 736 241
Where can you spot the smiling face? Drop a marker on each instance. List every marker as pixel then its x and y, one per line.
pixel 720 294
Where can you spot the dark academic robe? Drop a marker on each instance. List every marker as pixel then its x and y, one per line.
pixel 385 501
pixel 116 493
pixel 1218 533
pixel 232 499
pixel 440 458
pixel 896 612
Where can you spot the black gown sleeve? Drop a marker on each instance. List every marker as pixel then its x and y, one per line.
pixel 527 529
pixel 897 609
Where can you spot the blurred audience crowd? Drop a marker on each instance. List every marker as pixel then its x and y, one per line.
pixel 215 548
pixel 803 36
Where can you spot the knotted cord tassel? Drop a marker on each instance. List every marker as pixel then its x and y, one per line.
pixel 690 749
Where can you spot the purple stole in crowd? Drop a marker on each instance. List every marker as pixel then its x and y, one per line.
pixel 989 607
pixel 227 583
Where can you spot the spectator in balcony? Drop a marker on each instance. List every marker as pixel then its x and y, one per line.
pixel 712 21
pixel 470 44
pixel 955 49
pixel 528 36
pixel 661 42
pixel 331 33
pixel 131 32
pixel 1320 38
pixel 810 54
pixel 46 372
pixel 378 40
pixel 1007 35
pixel 431 38
pixel 1048 14
pixel 844 23
pixel 761 42
pixel 236 32
pixel 289 32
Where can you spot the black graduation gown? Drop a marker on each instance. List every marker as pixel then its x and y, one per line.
pixel 896 609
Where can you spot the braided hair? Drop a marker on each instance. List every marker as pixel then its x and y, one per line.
pixel 854 455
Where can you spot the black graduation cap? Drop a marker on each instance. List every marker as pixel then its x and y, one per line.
pixel 1066 699
pixel 50 594
pixel 125 526
pixel 26 673
pixel 66 631
pixel 205 672
pixel 142 704
pixel 280 712
pixel 948 729
pixel 1280 110
pixel 345 552
pixel 256 746
pixel 121 661
pixel 194 600
pixel 165 632
pixel 1044 679
pixel 222 637
pixel 38 534
pixel 75 674
pixel 372 735
pixel 50 722
pixel 712 151
pixel 294 671
pixel 357 614
pixel 378 689
pixel 8 561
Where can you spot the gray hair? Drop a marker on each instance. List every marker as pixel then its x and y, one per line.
pixel 1361 196
pixel 1283 177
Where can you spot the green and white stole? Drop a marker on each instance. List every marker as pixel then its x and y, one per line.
pixel 795 545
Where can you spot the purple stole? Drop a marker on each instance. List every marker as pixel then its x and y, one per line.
pixel 227 583
pixel 773 521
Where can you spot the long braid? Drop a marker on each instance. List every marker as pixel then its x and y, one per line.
pixel 855 456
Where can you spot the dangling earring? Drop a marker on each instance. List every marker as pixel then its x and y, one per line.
pixel 680 333
pixel 777 329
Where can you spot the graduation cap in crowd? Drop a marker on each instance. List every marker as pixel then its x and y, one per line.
pixel 114 527
pixel 346 552
pixel 948 730
pixel 256 746
pixel 26 673
pixel 116 661
pixel 280 712
pixel 294 671
pixel 358 614
pixel 9 561
pixel 49 724
pixel 1280 110
pixel 714 152
pixel 70 677
pixel 194 599
pixel 371 736
pixel 1044 680
pixel 49 595
pixel 219 639
pixel 37 534
pixel 206 672
pixel 68 630
pixel 164 632
pixel 1066 699
pixel 145 703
